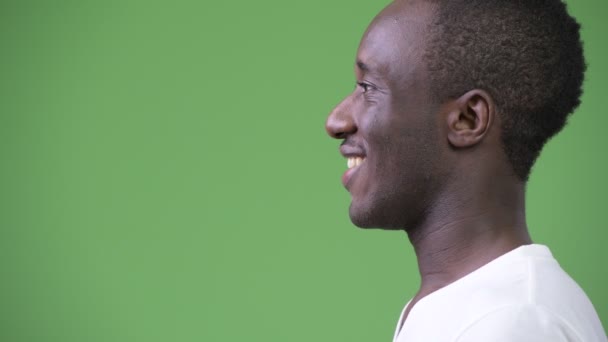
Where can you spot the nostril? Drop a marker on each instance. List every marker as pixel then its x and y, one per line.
pixel 340 130
pixel 339 135
pixel 336 129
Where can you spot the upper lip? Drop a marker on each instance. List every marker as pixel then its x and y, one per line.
pixel 351 151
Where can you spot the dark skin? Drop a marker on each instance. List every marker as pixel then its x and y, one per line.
pixel 432 167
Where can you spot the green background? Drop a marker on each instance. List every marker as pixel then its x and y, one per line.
pixel 166 176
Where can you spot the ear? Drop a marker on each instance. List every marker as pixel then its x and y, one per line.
pixel 470 118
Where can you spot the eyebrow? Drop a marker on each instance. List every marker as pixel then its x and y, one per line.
pixel 362 66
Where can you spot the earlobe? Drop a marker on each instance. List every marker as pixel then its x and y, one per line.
pixel 470 118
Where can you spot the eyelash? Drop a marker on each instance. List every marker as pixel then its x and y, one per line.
pixel 366 86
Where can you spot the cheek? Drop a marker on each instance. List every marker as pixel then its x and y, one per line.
pixel 401 147
pixel 377 126
pixel 389 136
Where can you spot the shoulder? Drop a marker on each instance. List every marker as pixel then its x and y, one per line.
pixel 519 323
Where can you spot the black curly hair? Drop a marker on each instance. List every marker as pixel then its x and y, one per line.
pixel 527 54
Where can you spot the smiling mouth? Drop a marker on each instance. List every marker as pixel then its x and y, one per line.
pixel 352 162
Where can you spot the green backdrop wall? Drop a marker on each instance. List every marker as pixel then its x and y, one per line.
pixel 165 175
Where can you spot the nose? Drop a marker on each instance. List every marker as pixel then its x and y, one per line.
pixel 340 122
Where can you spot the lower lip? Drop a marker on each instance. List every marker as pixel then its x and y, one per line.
pixel 348 175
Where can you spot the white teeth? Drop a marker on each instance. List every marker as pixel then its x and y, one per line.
pixel 354 161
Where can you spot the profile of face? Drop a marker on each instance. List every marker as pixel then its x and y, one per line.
pixel 389 123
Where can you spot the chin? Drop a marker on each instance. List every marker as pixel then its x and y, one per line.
pixel 368 218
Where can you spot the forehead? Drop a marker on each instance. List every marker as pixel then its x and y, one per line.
pixel 393 43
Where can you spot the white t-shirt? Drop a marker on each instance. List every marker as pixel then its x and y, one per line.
pixel 521 296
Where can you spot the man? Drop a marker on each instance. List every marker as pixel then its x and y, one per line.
pixel 453 103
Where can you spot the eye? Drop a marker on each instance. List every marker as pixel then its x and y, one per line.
pixel 364 86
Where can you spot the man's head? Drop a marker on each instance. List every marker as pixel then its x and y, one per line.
pixel 450 91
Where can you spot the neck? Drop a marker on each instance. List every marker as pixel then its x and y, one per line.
pixel 465 231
